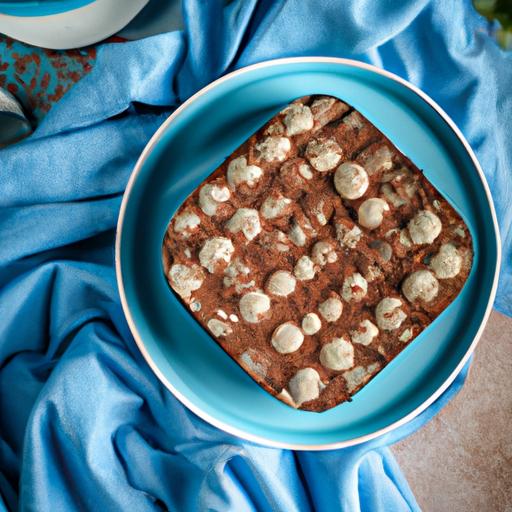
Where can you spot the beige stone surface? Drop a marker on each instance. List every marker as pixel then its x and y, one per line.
pixel 462 460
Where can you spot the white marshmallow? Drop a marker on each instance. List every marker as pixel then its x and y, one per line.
pixel 351 180
pixel 353 121
pixel 391 232
pixel 404 238
pixel 460 231
pixel 424 227
pixel 305 385
pixel 184 279
pixel 245 220
pixel 331 309
pixel 240 285
pixel 337 355
pixel 275 129
pixel 285 397
pixel 447 262
pixel 323 154
pixel 214 252
pixel 287 338
pixel 323 253
pixel 195 306
pixel 239 172
pixel 294 174
pixel 388 314
pixel 237 274
pixel 381 159
pixel 391 196
pixel 304 269
pixel 298 119
pixel 218 328
pixel 186 221
pixel 420 285
pixel 305 171
pixel 365 333
pixel 373 272
pixel 354 287
pixel 410 187
pixel 371 212
pixel 210 196
pixel 311 323
pixel 402 175
pixel 248 360
pixel 281 283
pixel 236 268
pixel 406 335
pixel 359 375
pixel 273 149
pixel 297 235
pixel 273 207
pixel 282 241
pixel 348 237
pixel 318 212
pixel 275 240
pixel 321 106
pixel 254 306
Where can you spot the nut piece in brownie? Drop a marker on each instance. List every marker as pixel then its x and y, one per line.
pixel 316 253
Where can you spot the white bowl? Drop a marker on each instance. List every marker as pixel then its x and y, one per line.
pixel 73 28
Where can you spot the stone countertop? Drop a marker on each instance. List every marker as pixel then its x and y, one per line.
pixel 462 459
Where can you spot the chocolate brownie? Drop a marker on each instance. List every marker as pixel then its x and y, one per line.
pixel 316 253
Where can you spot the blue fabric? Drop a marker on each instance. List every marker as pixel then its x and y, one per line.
pixel 84 425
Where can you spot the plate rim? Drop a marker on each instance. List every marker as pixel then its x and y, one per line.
pixel 240 433
pixel 65 30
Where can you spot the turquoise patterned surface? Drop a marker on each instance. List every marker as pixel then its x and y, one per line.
pixel 38 78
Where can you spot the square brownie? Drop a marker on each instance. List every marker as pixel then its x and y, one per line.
pixel 316 253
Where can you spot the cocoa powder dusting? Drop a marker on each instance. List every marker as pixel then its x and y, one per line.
pixel 376 261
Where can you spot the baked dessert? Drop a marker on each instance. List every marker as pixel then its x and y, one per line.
pixel 316 253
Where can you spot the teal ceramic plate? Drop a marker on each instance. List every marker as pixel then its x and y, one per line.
pixel 190 145
pixel 64 24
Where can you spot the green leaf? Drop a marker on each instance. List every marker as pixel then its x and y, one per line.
pixel 500 10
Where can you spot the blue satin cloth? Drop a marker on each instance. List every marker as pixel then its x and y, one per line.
pixel 84 424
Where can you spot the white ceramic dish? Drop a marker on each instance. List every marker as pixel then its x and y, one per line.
pixel 73 28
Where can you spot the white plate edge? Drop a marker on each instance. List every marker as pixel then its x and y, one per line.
pixel 74 28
